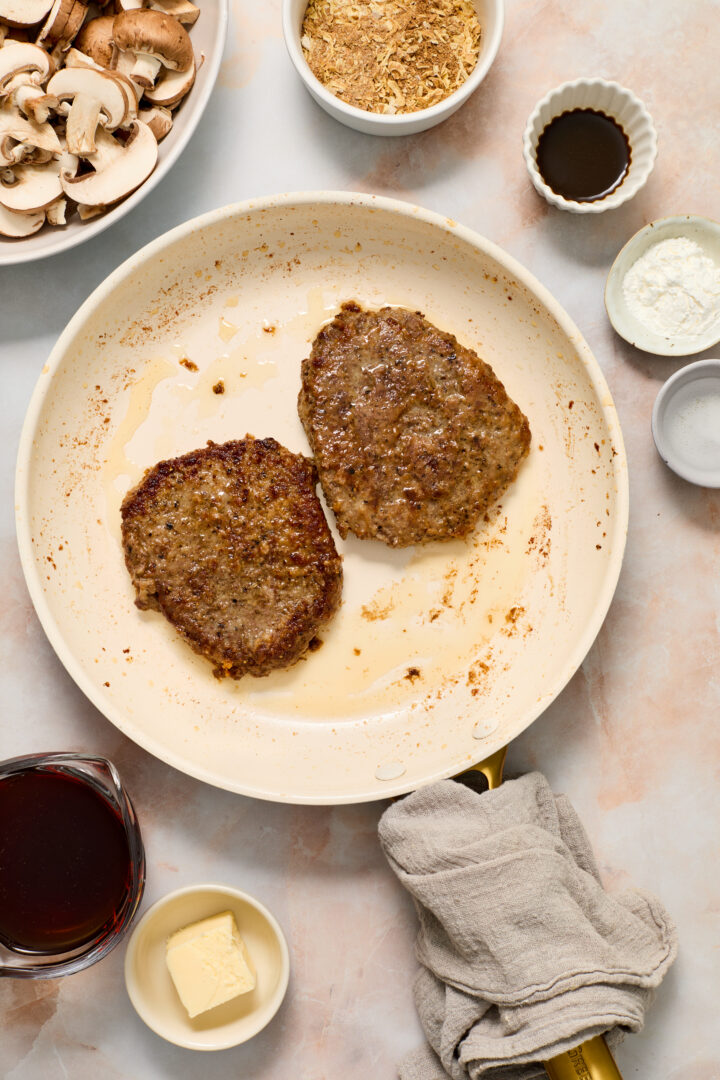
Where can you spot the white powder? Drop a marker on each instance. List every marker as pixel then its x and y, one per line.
pixel 674 289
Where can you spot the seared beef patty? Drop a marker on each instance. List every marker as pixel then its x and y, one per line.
pixel 413 435
pixel 231 544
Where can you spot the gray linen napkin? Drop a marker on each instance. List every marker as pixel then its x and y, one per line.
pixel 523 953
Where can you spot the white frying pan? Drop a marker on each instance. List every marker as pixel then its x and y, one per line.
pixel 439 655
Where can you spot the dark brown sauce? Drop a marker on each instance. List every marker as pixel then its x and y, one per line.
pixel 65 862
pixel 583 155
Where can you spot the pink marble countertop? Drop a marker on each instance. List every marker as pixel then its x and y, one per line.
pixel 634 739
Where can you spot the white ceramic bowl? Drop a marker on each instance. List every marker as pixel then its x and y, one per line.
pixel 614 101
pixel 208 38
pixel 686 423
pixel 490 14
pixel 704 232
pixel 153 993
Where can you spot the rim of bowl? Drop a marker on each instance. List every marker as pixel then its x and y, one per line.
pixel 618 195
pixel 657 347
pixel 222 890
pixel 434 112
pixel 66 241
pixel 687 374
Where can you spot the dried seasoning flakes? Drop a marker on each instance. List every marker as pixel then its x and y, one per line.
pixel 386 56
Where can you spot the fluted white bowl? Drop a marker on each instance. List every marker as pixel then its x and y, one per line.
pixel 613 100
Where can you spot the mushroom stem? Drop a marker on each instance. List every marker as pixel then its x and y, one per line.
pixel 145 69
pixel 82 123
pixel 27 95
pixel 55 213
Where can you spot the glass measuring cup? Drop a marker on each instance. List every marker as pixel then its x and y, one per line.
pixel 72 863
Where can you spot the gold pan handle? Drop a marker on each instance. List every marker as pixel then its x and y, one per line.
pixel 591 1060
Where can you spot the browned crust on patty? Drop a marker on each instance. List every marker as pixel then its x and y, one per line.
pixel 231 544
pixel 413 434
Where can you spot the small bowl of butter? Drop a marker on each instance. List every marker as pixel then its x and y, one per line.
pixel 663 290
pixel 207 967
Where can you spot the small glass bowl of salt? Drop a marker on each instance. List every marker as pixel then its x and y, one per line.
pixel 686 423
pixel 663 290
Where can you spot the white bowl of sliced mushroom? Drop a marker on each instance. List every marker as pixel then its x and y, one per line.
pixel 96 103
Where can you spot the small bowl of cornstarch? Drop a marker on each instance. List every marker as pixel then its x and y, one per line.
pixel 386 67
pixel 663 290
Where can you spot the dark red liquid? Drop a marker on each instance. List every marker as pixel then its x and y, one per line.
pixel 65 862
pixel 583 155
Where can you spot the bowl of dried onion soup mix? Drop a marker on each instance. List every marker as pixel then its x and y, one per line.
pixel 385 67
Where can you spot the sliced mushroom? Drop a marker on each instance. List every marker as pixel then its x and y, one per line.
pixel 17 57
pixel 183 10
pixel 24 12
pixel 19 225
pixel 158 119
pixel 125 65
pixel 55 213
pixel 156 39
pixel 36 186
pixel 87 212
pixel 96 98
pixel 24 91
pixel 34 156
pixel 19 137
pixel 133 92
pixel 62 24
pixel 119 169
pixel 171 87
pixel 75 58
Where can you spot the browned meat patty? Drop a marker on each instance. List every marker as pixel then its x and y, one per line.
pixel 413 435
pixel 231 544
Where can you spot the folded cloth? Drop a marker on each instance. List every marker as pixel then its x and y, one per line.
pixel 524 955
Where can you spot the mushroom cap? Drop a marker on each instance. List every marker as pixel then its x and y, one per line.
pixel 153 33
pixel 96 40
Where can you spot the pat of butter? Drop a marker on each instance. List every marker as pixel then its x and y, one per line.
pixel 209 963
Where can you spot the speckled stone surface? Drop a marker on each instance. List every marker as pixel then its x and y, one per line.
pixel 634 739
